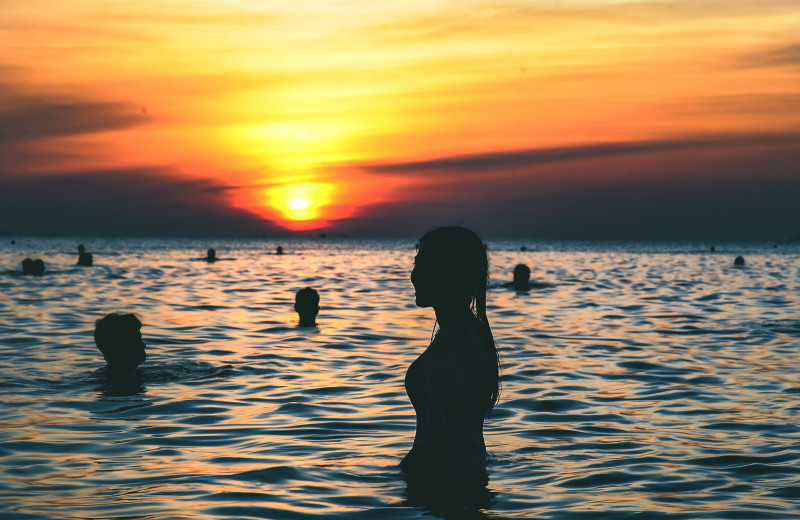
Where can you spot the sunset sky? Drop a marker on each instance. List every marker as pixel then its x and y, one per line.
pixel 552 119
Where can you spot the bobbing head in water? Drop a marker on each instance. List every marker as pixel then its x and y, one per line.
pixel 451 274
pixel 119 338
pixel 306 303
pixel 522 277
pixel 84 258
pixel 33 267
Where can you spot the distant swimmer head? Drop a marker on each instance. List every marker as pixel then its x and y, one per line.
pixel 713 249
pixel 33 267
pixel 306 303
pixel 118 336
pixel 27 266
pixel 38 267
pixel 523 248
pixel 279 250
pixel 739 260
pixel 211 255
pixel 451 267
pixel 84 258
pixel 522 276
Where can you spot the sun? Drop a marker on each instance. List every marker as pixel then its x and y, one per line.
pixel 301 202
pixel 299 208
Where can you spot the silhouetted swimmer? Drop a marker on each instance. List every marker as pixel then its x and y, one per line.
pixel 739 260
pixel 455 382
pixel 119 338
pixel 713 249
pixel 13 242
pixel 33 267
pixel 279 251
pixel 523 248
pixel 84 258
pixel 306 303
pixel 211 255
pixel 522 276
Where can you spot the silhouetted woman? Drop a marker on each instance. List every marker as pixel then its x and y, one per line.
pixel 455 382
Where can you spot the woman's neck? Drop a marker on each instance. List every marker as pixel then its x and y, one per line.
pixel 453 314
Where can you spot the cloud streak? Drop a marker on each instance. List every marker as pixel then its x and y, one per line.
pixel 784 56
pixel 734 187
pixel 495 162
pixel 29 119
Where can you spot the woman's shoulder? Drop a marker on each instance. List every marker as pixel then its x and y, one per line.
pixel 457 343
pixel 460 334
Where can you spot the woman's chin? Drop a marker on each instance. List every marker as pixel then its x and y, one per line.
pixel 421 301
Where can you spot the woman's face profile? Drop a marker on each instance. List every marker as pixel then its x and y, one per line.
pixel 421 280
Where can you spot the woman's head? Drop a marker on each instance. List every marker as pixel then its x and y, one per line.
pixel 451 267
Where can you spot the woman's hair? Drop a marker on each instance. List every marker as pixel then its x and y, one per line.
pixel 462 259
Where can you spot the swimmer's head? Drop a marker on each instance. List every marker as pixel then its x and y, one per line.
pixel 522 275
pixel 739 260
pixel 119 337
pixel 306 303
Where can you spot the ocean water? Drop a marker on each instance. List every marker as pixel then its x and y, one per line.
pixel 640 380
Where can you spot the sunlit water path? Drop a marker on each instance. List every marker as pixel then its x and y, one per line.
pixel 642 381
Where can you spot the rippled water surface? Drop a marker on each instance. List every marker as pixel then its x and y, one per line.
pixel 639 381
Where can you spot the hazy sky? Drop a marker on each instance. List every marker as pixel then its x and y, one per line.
pixel 558 119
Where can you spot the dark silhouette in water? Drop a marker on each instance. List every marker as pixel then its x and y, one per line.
pixel 84 258
pixel 461 495
pixel 119 337
pixel 522 277
pixel 521 281
pixel 211 256
pixel 455 382
pixel 33 267
pixel 713 249
pixel 306 303
pixel 279 251
pixel 739 260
